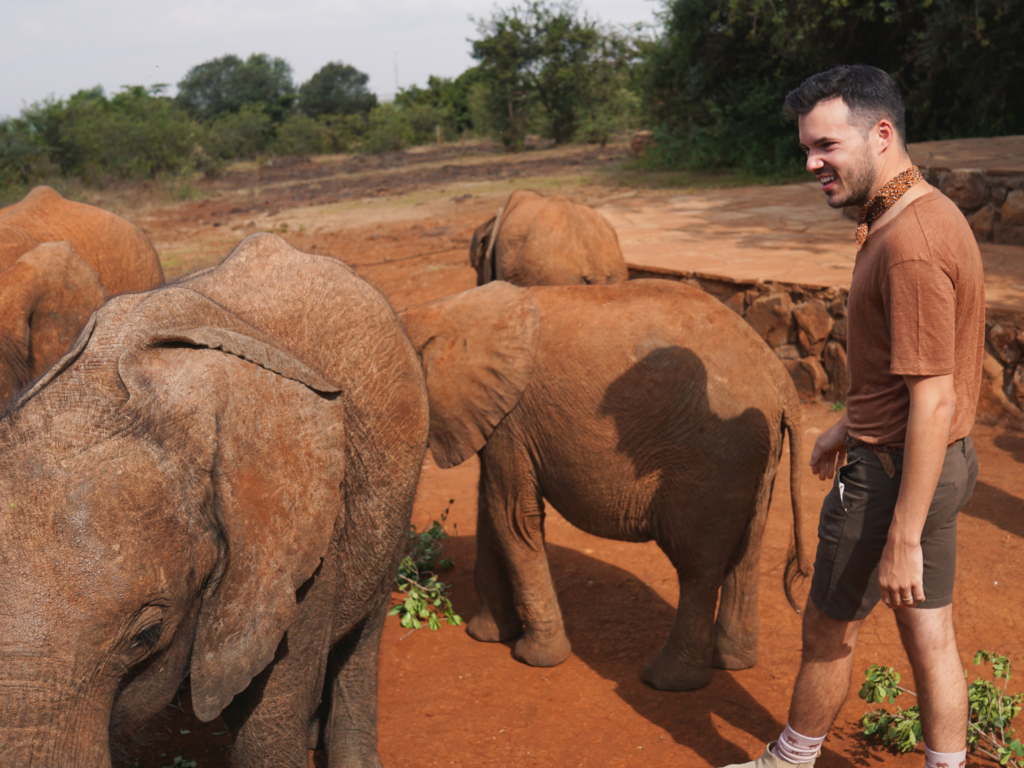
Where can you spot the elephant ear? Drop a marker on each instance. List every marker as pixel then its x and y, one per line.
pixel 269 438
pixel 477 350
pixel 478 247
pixel 48 295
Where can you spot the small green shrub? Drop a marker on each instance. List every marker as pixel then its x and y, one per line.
pixel 302 135
pixel 426 598
pixel 388 130
pixel 991 712
pixel 243 134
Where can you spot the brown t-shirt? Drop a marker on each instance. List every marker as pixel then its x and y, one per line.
pixel 916 308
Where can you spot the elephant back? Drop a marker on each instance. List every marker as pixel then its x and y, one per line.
pixel 554 241
pixel 118 250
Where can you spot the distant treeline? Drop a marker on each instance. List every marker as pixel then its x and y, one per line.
pixel 709 81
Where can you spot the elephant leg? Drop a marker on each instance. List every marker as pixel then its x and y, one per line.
pixel 271 718
pixel 350 734
pixel 497 620
pixel 736 628
pixel 511 499
pixel 684 662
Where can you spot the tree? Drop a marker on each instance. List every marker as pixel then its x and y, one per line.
pixel 449 95
pixel 547 56
pixel 337 89
pixel 225 84
pixel 716 78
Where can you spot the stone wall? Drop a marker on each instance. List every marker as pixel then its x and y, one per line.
pixel 992 201
pixel 806 328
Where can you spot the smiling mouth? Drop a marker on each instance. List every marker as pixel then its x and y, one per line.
pixel 828 181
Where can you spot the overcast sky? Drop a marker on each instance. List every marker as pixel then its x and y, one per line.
pixel 60 46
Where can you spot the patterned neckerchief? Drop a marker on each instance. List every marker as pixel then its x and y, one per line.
pixel 887 196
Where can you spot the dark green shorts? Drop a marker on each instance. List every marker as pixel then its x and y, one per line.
pixel 854 526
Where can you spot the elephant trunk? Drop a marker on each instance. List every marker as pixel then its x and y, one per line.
pixel 39 730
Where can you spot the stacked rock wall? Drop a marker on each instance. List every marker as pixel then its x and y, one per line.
pixel 992 201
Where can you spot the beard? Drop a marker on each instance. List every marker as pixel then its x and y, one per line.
pixel 856 183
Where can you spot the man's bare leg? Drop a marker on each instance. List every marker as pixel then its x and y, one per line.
pixel 825 669
pixel 928 638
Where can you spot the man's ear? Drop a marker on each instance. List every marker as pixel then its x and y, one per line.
pixel 885 135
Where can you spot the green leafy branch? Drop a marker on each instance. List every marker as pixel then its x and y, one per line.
pixel 425 596
pixel 991 712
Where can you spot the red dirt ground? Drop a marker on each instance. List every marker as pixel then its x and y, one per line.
pixel 447 700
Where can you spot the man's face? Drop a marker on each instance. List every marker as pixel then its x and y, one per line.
pixel 838 154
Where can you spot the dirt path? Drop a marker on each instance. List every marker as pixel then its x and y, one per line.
pixel 448 700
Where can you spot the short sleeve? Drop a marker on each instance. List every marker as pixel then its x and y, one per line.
pixel 922 319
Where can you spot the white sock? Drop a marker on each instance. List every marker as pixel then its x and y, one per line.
pixel 793 747
pixel 944 759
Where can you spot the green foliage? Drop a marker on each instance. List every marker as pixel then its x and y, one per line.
pixel 344 131
pixel 548 61
pixel 336 89
pixel 715 79
pixel 135 134
pixel 302 135
pixel 426 598
pixel 991 712
pixel 228 83
pixel 387 130
pixel 181 762
pixel 243 134
pixel 450 97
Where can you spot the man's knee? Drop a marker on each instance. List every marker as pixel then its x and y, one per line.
pixel 926 631
pixel 826 639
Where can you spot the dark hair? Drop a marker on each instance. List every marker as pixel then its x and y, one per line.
pixel 869 93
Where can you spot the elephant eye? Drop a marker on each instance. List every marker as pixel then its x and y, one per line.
pixel 148 637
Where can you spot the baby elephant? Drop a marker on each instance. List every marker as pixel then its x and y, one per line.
pixel 641 411
pixel 537 240
pixel 216 481
pixel 59 261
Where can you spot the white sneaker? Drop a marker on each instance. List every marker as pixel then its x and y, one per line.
pixel 768 760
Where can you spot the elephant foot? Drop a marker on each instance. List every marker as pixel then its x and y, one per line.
pixel 672 675
pixel 486 629
pixel 551 652
pixel 731 654
pixel 354 753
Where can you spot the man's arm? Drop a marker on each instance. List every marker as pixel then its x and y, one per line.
pixel 932 402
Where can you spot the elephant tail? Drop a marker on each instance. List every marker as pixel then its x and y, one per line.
pixel 799 561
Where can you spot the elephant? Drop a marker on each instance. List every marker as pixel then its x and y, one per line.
pixel 644 410
pixel 216 481
pixel 538 240
pixel 59 261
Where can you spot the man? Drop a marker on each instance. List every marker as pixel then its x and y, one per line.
pixel 915 344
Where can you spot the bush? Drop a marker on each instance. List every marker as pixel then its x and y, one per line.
pixel 388 130
pixel 344 131
pixel 302 135
pixel 135 134
pixel 245 134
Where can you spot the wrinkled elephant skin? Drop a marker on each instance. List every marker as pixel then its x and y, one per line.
pixel 640 411
pixel 216 481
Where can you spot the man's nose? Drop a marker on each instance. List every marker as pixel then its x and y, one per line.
pixel 814 163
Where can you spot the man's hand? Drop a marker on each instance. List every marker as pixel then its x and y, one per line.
pixel 901 574
pixel 829 450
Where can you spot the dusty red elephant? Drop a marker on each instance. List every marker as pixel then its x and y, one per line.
pixel 59 261
pixel 538 240
pixel 641 411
